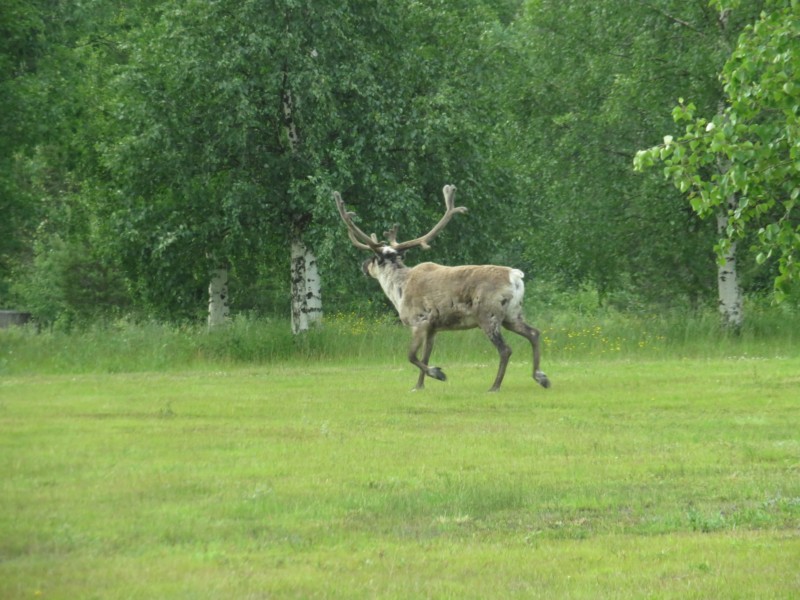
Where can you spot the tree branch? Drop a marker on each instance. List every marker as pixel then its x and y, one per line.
pixel 675 19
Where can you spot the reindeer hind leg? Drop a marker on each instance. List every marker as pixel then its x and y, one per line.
pixel 532 335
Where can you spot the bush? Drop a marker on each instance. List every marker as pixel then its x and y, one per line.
pixel 67 285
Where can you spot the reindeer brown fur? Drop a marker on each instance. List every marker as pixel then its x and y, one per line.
pixel 430 298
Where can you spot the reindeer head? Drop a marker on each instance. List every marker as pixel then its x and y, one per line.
pixel 386 258
pixel 389 254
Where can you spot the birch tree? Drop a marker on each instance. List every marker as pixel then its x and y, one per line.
pixel 305 291
pixel 219 108
pixel 742 163
pixel 218 307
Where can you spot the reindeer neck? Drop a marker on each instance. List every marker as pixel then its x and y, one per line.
pixel 393 282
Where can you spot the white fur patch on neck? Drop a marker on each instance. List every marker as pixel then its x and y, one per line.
pixel 389 276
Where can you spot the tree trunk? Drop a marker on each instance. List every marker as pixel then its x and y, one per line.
pixel 731 304
pixel 218 311
pixel 306 294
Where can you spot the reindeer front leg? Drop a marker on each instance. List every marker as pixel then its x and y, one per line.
pixel 420 336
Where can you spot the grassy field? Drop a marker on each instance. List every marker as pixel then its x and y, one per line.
pixel 643 472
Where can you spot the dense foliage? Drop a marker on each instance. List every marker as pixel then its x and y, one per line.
pixel 745 158
pixel 143 146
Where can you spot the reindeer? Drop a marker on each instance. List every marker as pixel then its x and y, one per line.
pixel 430 298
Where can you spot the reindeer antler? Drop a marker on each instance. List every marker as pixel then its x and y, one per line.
pixel 363 241
pixel 360 240
pixel 449 192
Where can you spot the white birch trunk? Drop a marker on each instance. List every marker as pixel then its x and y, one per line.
pixel 731 303
pixel 218 310
pixel 306 294
pixel 313 289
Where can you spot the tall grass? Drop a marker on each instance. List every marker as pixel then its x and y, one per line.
pixel 126 346
pixel 610 334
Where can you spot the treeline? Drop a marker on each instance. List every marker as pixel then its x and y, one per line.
pixel 147 147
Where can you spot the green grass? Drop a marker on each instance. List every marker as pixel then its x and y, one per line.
pixel 126 347
pixel 644 471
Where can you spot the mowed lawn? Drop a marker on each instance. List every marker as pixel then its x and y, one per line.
pixel 672 478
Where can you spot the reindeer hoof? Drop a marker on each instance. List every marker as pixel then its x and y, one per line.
pixel 436 373
pixel 541 379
